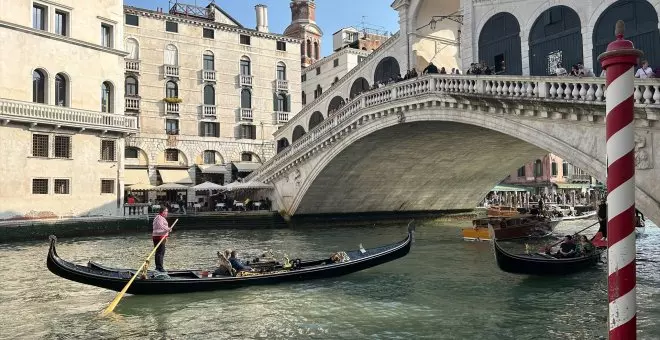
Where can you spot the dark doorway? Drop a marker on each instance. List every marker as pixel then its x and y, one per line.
pixel 641 28
pixel 359 86
pixel 499 41
pixel 555 38
pixel 387 69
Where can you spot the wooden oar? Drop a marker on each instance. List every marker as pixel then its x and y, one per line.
pixel 120 295
pixel 562 240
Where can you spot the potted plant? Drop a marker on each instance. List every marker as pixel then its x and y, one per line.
pixel 172 100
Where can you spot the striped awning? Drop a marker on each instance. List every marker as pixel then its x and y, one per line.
pixel 179 176
pixel 575 186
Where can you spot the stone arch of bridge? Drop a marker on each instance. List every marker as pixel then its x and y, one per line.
pixel 522 143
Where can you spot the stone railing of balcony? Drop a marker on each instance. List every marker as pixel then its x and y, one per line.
pixel 132 104
pixel 281 85
pixel 281 117
pixel 245 80
pixel 171 71
pixel 209 111
pixel 172 108
pixel 27 112
pixel 246 113
pixel 575 92
pixel 133 65
pixel 208 75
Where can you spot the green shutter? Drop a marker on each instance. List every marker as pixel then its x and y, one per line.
pixel 288 103
pixel 274 101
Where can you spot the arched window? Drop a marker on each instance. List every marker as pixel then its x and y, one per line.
pixel 209 157
pixel 61 86
pixel 281 71
pixel 171 89
pixel 298 132
pixel 315 119
pixel 499 43
pixel 281 102
pixel 318 91
pixel 106 97
pixel 387 68
pixel 359 86
pixel 282 144
pixel 304 98
pixel 538 168
pixel 171 56
pixel 131 86
pixel 245 66
pixel 246 99
pixel 208 61
pixel 335 104
pixel 309 48
pixel 39 86
pixel 133 49
pixel 209 95
pixel 317 50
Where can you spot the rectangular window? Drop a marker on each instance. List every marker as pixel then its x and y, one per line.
pixel 108 150
pixel 246 157
pixel 335 63
pixel 521 171
pixel 62 187
pixel 171 155
pixel 281 46
pixel 61 23
pixel 106 35
pixel 40 186
pixel 248 131
pixel 40 145
pixel 209 129
pixel 62 147
pixel 564 169
pixel 554 169
pixel 171 26
pixel 208 33
pixel 107 186
pixel 318 70
pixel 245 39
pixel 172 126
pixel 209 157
pixel 131 153
pixel 303 78
pixel 39 17
pixel 132 20
pixel 209 63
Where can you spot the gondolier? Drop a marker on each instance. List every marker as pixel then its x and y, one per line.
pixel 161 230
pixel 602 218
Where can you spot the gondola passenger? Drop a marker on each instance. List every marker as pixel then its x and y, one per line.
pixel 566 248
pixel 237 264
pixel 584 247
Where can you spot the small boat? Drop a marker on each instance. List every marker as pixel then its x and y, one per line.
pixel 509 228
pixel 502 211
pixel 542 264
pixel 582 216
pixel 186 281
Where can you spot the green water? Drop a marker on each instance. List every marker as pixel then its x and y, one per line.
pixel 444 289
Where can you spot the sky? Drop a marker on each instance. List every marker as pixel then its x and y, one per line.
pixel 331 15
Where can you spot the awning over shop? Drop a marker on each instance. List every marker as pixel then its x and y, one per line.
pixel 172 187
pixel 572 186
pixel 246 166
pixel 175 176
pixel 140 187
pixel 213 169
pixel 135 176
pixel 509 188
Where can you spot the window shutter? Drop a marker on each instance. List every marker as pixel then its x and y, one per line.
pixel 275 101
pixel 287 107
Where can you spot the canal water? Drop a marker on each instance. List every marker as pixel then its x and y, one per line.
pixel 444 289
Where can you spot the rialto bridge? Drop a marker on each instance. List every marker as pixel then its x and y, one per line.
pixel 441 142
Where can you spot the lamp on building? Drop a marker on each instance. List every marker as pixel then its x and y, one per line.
pixel 436 18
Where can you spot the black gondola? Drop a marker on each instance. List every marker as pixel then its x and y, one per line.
pixel 542 264
pixel 186 281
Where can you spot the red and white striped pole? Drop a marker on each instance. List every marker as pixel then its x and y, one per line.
pixel 619 61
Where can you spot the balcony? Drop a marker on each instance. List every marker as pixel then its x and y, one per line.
pixel 245 80
pixel 282 85
pixel 171 71
pixel 246 114
pixel 281 117
pixel 171 132
pixel 209 111
pixel 27 112
pixel 208 75
pixel 172 108
pixel 132 104
pixel 133 65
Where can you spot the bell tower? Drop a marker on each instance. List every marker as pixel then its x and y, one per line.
pixel 303 26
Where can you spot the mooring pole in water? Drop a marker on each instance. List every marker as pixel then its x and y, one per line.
pixel 619 62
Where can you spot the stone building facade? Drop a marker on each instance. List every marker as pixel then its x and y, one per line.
pixel 209 93
pixel 551 173
pixel 62 108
